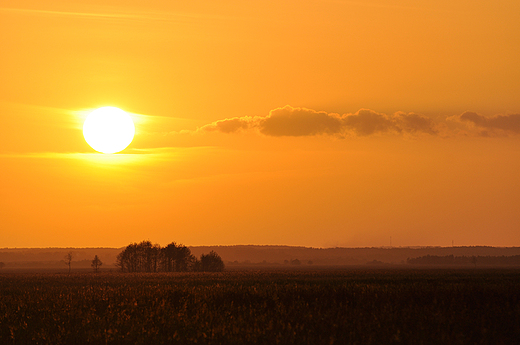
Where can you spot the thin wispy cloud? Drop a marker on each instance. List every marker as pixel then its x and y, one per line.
pixel 68 13
pixel 153 16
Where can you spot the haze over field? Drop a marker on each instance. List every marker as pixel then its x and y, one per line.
pixel 311 123
pixel 278 257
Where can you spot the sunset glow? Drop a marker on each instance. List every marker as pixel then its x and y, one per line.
pixel 314 123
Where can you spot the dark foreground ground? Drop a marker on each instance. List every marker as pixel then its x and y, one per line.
pixel 279 307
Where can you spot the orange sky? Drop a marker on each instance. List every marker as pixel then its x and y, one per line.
pixel 315 123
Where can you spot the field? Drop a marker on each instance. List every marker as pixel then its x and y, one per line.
pixel 351 306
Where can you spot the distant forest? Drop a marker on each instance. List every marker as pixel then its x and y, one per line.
pixel 466 260
pixel 148 257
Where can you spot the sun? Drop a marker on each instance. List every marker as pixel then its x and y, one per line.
pixel 108 130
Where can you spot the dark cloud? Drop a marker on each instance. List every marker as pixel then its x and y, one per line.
pixel 366 122
pixel 416 123
pixel 501 122
pixel 296 122
pixel 289 121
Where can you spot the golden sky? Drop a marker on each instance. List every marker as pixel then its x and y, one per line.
pixel 315 123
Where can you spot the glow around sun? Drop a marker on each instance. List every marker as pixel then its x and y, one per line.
pixel 108 130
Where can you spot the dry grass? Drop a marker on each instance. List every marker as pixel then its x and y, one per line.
pixel 298 307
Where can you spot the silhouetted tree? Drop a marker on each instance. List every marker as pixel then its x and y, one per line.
pixel 176 258
pixel 142 257
pixel 125 260
pixel 296 262
pixel 211 262
pixel 68 259
pixel 122 259
pixel 149 254
pixel 169 255
pixel 96 263
pixel 185 259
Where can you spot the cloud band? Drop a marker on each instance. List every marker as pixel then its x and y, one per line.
pixel 296 122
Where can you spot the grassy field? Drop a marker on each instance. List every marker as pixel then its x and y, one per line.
pixel 263 307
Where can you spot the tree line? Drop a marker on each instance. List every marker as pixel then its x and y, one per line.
pixel 466 260
pixel 148 257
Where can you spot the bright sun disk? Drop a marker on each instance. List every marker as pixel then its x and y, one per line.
pixel 108 130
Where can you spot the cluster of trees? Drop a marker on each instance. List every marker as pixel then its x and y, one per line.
pixel 148 257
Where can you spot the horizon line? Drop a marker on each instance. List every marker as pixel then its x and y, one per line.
pixel 281 245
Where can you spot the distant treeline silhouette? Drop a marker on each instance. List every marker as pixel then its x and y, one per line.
pixel 466 260
pixel 148 257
